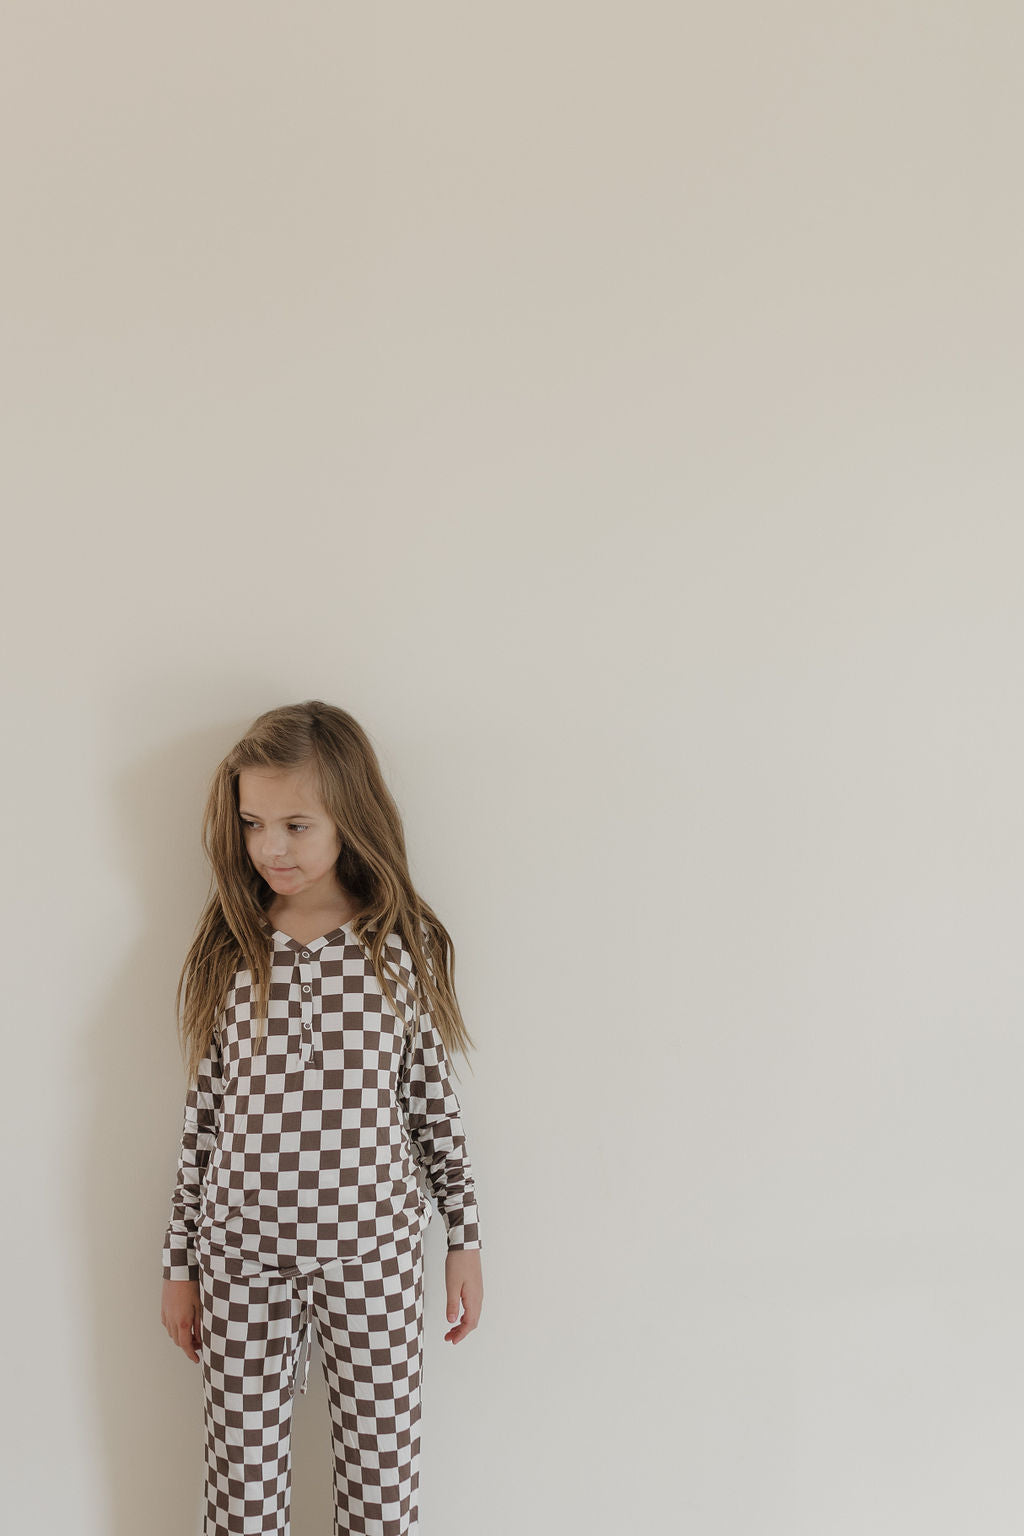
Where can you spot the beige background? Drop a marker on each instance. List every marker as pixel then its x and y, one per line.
pixel 618 409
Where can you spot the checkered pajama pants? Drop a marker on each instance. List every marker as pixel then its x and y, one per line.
pixel 368 1317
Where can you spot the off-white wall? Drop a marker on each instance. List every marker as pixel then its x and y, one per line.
pixel 617 408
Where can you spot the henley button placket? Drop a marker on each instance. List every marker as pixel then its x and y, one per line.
pixel 305 972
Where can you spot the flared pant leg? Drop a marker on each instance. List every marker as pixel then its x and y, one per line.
pixel 251 1333
pixel 367 1314
pixel 369 1323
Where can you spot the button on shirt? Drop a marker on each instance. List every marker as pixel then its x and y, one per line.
pixel 307 1152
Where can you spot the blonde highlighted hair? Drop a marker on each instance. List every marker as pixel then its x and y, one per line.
pixel 234 931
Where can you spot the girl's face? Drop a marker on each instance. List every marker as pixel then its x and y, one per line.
pixel 289 836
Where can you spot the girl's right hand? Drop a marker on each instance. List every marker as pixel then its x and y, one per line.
pixel 180 1315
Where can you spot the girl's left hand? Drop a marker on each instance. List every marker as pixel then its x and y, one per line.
pixel 463 1283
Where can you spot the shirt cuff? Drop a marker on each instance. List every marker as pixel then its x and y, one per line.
pixel 463 1228
pixel 179 1258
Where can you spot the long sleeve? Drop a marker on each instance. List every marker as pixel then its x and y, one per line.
pixel 434 1118
pixel 198 1136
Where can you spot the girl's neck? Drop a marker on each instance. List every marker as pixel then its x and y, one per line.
pixel 311 922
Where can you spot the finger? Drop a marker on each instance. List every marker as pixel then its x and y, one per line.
pixel 454 1299
pixel 185 1338
pixel 465 1324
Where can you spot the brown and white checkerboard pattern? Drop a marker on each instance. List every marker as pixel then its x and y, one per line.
pixel 368 1316
pixel 308 1152
pixel 297 1209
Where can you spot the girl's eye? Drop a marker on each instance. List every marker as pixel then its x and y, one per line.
pixel 297 825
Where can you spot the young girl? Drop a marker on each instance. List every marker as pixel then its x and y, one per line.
pixel 320 1014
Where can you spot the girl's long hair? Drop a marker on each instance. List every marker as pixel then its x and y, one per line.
pixel 234 931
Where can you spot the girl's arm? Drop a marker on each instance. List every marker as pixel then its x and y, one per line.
pixel 198 1136
pixel 434 1118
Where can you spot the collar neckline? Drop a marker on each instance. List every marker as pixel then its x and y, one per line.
pixel 312 946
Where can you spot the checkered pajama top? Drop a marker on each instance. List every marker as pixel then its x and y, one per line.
pixel 308 1153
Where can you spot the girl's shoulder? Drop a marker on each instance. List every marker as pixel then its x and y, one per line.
pixel 399 949
pixel 403 968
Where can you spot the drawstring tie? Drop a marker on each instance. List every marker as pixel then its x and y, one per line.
pixel 304 1284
